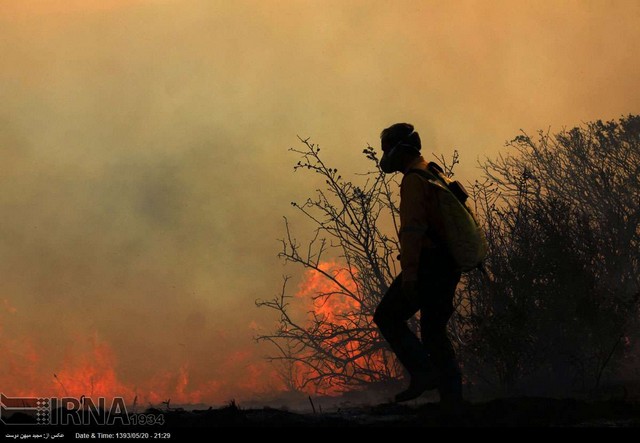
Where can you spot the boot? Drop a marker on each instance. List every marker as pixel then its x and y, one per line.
pixel 420 382
pixel 450 389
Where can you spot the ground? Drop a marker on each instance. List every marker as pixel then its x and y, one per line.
pixel 506 412
pixel 524 411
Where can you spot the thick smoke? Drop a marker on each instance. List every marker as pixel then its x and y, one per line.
pixel 144 167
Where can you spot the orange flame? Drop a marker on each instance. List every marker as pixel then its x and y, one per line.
pixel 331 300
pixel 93 373
pixel 335 300
pixel 90 366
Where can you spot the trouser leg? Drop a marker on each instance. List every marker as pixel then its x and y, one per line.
pixel 391 317
pixel 434 316
pixel 438 345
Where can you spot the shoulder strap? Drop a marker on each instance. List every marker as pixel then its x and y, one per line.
pixel 435 167
pixel 430 177
pixel 437 178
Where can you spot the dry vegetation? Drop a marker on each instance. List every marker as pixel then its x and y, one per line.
pixel 559 314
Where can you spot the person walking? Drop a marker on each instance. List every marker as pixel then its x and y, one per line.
pixel 428 277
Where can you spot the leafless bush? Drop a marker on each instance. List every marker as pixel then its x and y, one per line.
pixel 563 224
pixel 562 220
pixel 335 349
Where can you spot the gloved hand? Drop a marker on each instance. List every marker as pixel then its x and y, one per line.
pixel 411 293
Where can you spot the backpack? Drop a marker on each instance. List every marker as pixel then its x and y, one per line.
pixel 464 237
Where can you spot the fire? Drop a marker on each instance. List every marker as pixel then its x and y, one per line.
pixel 91 374
pixel 341 298
pixel 89 366
pixel 333 301
pixel 94 374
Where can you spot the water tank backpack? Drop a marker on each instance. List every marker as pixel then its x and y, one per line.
pixel 464 236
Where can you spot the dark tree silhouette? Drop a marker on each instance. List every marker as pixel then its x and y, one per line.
pixel 563 224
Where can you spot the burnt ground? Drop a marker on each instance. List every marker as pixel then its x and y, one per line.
pixel 516 412
pixel 526 411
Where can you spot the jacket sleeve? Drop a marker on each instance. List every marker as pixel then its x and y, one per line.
pixel 413 224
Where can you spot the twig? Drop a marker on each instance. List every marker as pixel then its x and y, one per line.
pixel 60 382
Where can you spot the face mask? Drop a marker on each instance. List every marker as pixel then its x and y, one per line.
pixel 390 161
pixel 393 160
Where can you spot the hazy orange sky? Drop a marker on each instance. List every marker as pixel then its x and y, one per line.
pixel 144 164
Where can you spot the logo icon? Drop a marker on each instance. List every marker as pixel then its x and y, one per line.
pixel 25 410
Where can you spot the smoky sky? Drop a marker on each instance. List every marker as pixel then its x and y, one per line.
pixel 145 171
